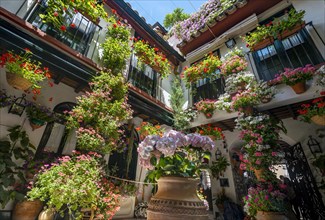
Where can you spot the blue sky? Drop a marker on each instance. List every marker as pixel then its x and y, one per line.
pixel 155 10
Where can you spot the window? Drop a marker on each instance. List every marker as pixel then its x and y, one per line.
pixel 294 51
pixel 142 76
pixel 208 88
pixel 78 38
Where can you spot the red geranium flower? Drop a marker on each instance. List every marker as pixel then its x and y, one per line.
pixel 63 28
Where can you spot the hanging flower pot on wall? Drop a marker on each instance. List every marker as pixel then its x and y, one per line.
pixel 36 123
pixel 17 81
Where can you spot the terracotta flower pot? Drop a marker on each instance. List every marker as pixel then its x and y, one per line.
pixel 266 100
pixel 17 81
pixel 27 210
pixel 288 33
pixel 270 216
pixel 262 44
pixel 176 199
pixel 35 123
pixel 258 174
pixel 318 119
pixel 299 87
pixel 248 110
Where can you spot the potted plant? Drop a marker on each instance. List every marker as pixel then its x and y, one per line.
pixel 207 68
pixel 152 56
pixel 219 166
pixel 116 49
pixel 206 106
pixel 296 78
pixel 13 184
pixel 38 115
pixel 239 82
pixel 259 38
pixel 233 64
pixel 174 160
pixel 245 101
pixel 314 112
pixel 60 13
pixel 76 182
pixel 97 131
pixel 23 72
pixel 146 128
pixel 213 132
pixel 224 102
pixel 265 204
pixel 289 24
pixel 265 92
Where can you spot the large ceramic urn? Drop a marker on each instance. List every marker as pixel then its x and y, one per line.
pixel 176 199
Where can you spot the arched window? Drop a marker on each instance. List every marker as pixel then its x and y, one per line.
pixel 56 137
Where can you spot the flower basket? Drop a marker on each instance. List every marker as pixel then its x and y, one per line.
pixel 262 44
pixel 221 17
pixel 299 87
pixel 231 10
pixel 17 81
pixel 261 215
pixel 211 23
pixel 204 29
pixel 318 119
pixel 35 123
pixel 241 3
pixel 288 33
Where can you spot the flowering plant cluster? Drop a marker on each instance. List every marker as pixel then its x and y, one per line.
pixel 239 81
pixel 116 49
pixel 60 13
pixel 38 112
pixel 317 107
pixel 264 91
pixel 210 130
pixel 261 33
pixel 152 56
pixel 174 154
pixel 206 68
pixel 244 99
pixel 5 99
pixel 261 134
pixel 287 22
pixel 206 106
pixel 294 76
pixel 101 113
pixel 208 12
pixel 275 28
pixel 146 128
pixel 264 199
pixel 233 65
pixel 76 182
pixel 25 67
pixel 224 102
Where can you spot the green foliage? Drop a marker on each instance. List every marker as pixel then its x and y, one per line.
pixel 25 67
pixel 76 182
pixel 39 112
pixel 176 16
pixel 59 13
pixel 181 121
pixel 99 114
pixel 185 163
pixel 219 166
pixel 116 49
pixel 221 198
pixel 18 148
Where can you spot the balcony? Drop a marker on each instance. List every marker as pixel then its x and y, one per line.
pixel 208 89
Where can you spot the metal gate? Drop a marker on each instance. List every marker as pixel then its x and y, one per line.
pixel 309 198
